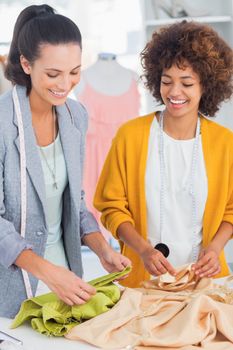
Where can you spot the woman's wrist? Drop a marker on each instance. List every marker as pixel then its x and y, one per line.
pixel 221 237
pixel 33 263
pixel 128 234
pixel 145 248
pixel 97 243
pixel 214 247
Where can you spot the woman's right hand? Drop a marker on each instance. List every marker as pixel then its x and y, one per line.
pixel 156 263
pixel 69 287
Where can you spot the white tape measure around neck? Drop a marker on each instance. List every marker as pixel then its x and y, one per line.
pixel 23 184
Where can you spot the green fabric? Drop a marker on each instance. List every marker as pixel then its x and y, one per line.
pixel 51 316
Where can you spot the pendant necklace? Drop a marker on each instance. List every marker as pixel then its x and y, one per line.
pixel 52 171
pixel 162 247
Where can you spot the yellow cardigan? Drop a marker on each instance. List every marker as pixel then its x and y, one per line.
pixel 120 193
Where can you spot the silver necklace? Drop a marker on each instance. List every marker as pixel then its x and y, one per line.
pixel 190 186
pixel 52 171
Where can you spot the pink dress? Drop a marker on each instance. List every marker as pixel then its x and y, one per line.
pixel 106 114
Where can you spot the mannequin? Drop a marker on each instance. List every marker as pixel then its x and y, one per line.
pixel 109 92
pixel 4 83
pixel 107 76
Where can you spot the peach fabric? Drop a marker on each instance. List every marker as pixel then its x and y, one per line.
pixel 106 114
pixel 184 279
pixel 197 317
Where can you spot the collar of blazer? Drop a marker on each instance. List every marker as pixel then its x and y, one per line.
pixel 70 140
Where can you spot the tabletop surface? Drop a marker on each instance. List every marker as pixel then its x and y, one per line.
pixel 33 340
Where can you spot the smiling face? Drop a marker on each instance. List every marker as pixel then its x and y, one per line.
pixel 54 73
pixel 181 91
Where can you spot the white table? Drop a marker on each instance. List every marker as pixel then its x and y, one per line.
pixel 36 341
pixel 33 340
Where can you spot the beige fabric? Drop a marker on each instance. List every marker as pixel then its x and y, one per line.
pixel 184 279
pixel 198 317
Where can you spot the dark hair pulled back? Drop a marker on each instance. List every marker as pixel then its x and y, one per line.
pixel 37 25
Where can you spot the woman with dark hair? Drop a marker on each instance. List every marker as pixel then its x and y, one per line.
pixel 166 189
pixel 44 219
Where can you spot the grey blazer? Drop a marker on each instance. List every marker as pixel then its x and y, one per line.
pixel 76 221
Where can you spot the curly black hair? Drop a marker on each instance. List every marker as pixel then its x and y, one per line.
pixel 199 46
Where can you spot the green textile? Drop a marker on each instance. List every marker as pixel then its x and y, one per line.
pixel 51 316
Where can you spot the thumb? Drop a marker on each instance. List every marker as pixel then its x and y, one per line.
pixel 119 263
pixel 200 256
pixel 202 253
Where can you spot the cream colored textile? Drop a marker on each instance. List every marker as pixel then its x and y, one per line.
pixel 198 317
pixel 184 279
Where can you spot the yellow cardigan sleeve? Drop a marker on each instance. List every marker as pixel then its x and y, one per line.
pixel 228 214
pixel 111 192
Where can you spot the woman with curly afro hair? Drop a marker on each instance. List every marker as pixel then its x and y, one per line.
pixel 166 189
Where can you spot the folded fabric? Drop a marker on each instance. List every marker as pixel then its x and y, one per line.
pixel 51 316
pixel 184 279
pixel 198 317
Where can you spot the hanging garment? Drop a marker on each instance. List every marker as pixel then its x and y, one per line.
pixel 106 114
pixel 190 314
pixel 51 316
pixel 5 84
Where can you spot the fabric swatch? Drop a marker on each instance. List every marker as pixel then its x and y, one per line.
pixel 51 316
pixel 199 316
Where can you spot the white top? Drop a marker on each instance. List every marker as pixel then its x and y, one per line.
pixel 54 250
pixel 178 229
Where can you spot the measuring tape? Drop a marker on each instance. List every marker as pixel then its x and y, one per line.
pixel 23 185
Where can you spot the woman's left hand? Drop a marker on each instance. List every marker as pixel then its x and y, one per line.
pixel 113 261
pixel 208 264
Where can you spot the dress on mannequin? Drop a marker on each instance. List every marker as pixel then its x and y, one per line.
pixel 110 94
pixel 4 83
